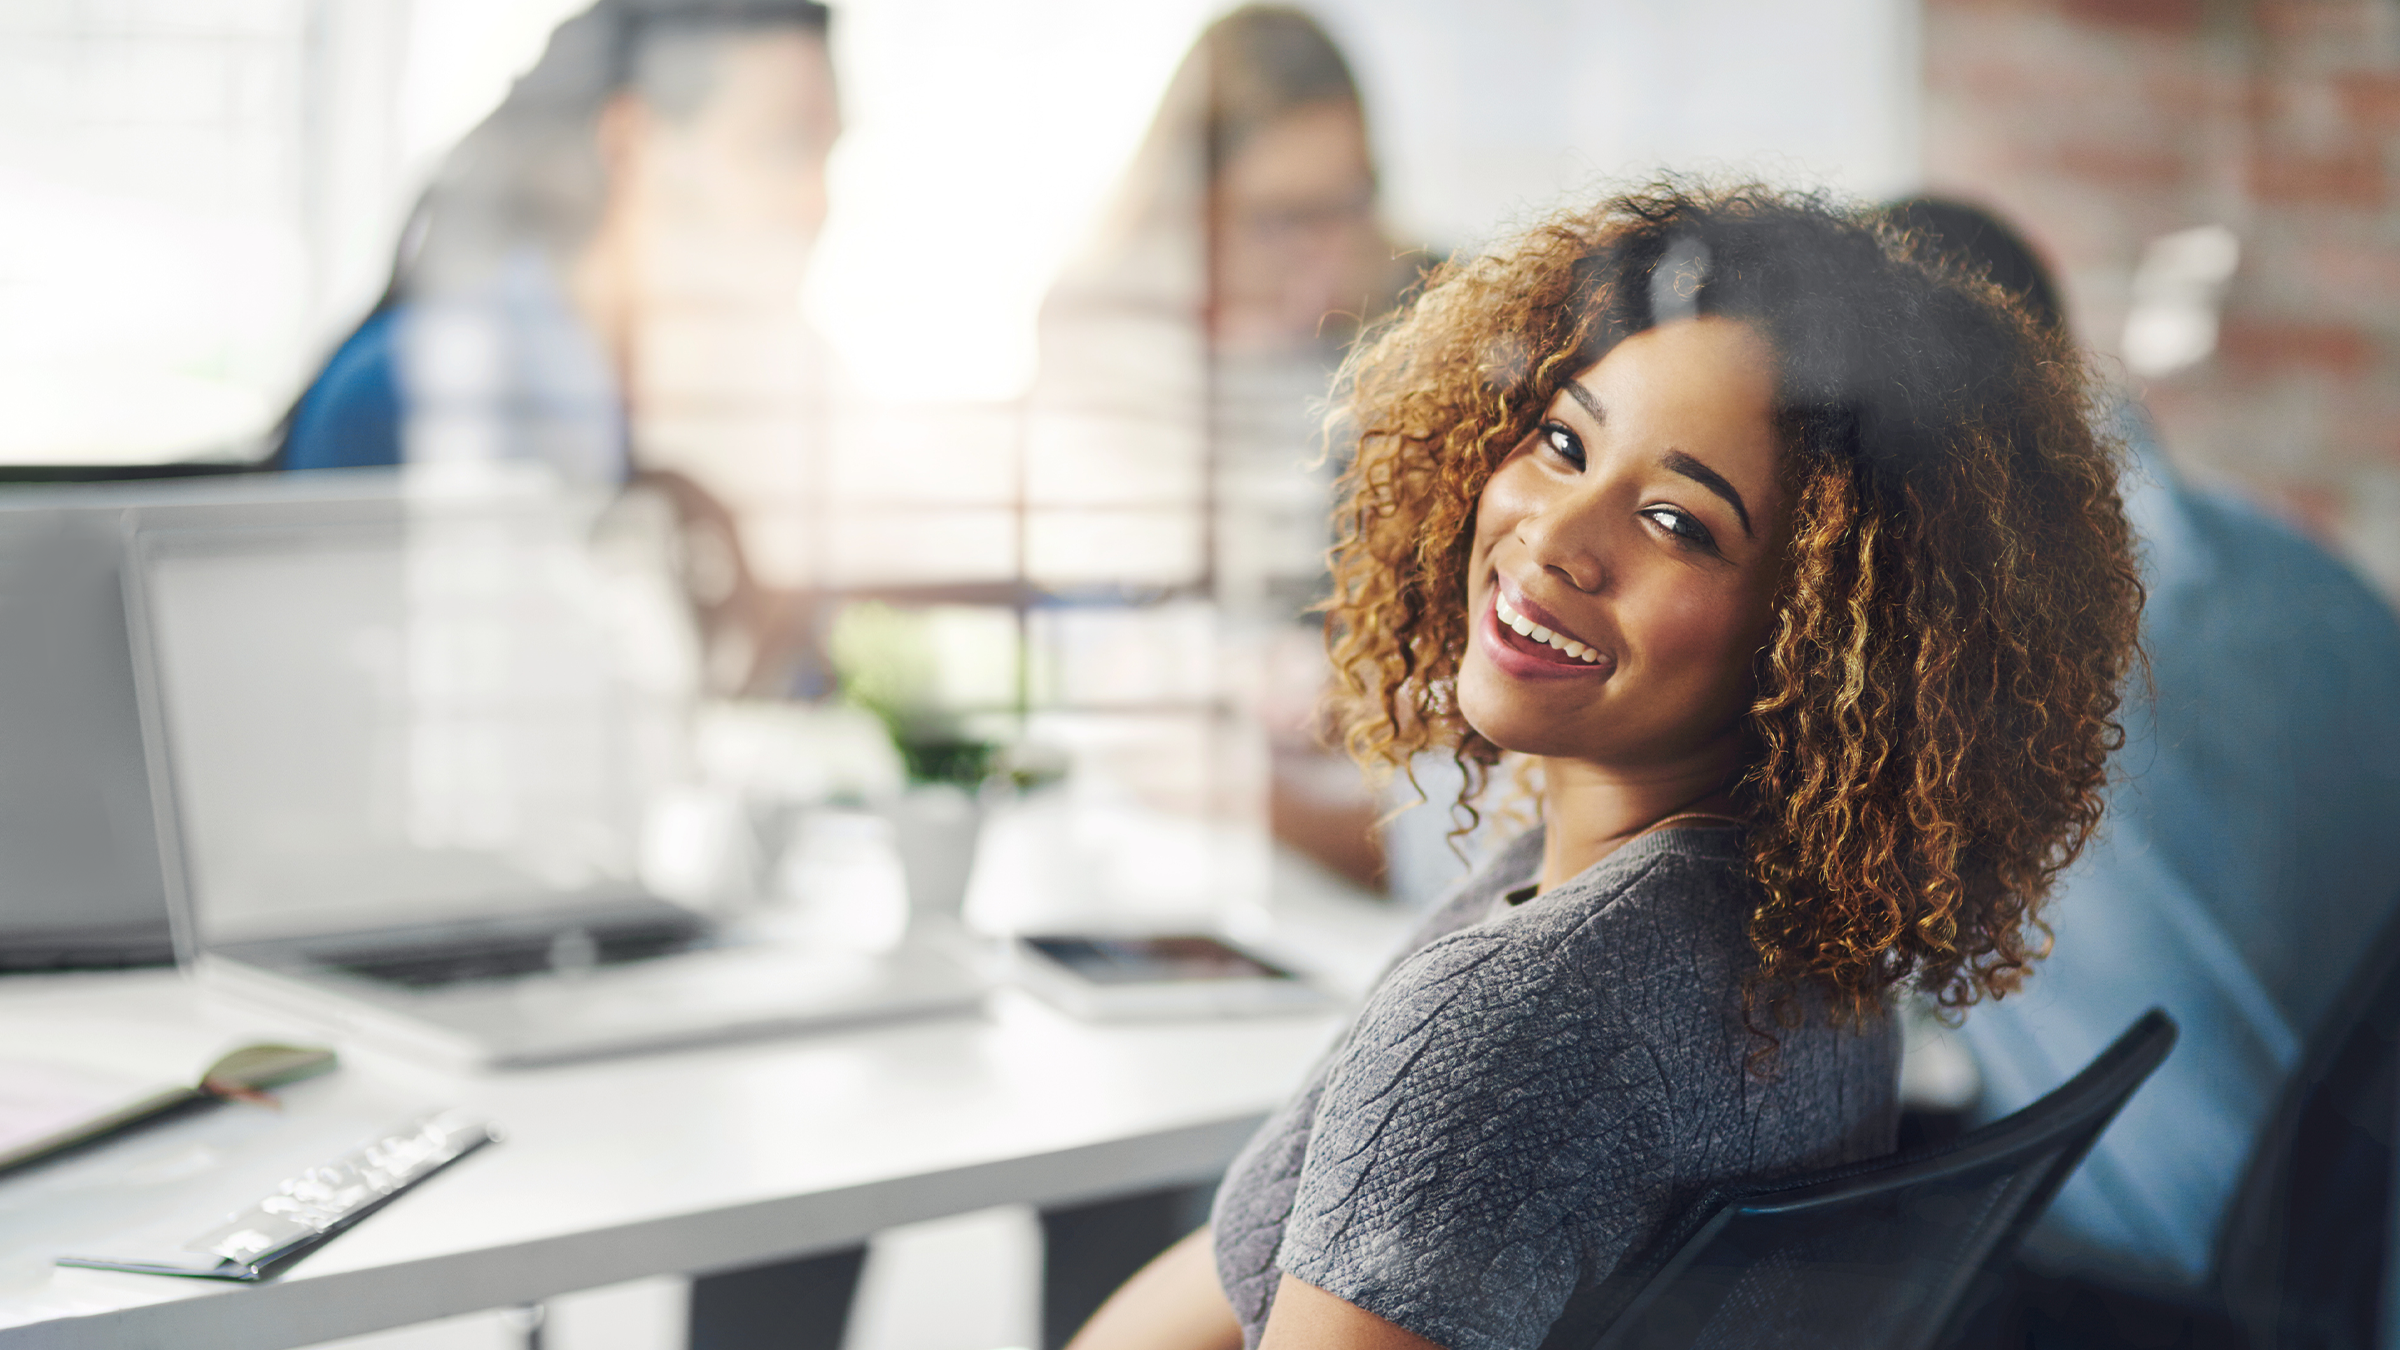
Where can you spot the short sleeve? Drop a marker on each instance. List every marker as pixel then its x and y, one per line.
pixel 1488 1135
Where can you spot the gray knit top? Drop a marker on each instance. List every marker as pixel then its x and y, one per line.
pixel 1533 1091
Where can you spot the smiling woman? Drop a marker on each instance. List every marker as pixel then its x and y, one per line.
pixel 1618 585
pixel 1791 564
pixel 1848 526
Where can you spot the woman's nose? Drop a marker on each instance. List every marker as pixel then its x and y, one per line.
pixel 1565 536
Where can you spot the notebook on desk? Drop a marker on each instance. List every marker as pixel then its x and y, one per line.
pixel 403 770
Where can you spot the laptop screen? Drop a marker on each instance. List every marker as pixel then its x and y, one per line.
pixel 437 718
pixel 78 852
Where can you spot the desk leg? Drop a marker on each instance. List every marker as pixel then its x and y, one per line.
pixel 1089 1250
pixel 791 1305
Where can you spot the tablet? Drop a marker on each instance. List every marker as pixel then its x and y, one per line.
pixel 1120 977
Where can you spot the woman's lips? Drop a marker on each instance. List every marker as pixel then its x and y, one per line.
pixel 1524 618
pixel 1522 655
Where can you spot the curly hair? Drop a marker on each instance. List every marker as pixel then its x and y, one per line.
pixel 1935 703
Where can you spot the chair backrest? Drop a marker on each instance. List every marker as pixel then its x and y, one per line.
pixel 1872 1256
pixel 2303 1259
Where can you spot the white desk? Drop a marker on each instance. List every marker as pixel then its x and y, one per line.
pixel 689 1162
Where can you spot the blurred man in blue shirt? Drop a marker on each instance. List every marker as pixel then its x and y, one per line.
pixel 601 280
pixel 2250 854
pixel 660 168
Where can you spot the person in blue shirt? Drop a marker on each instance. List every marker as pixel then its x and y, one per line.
pixel 643 201
pixel 2248 857
pixel 662 156
pixel 663 159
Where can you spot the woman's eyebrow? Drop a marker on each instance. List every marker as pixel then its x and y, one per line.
pixel 1577 392
pixel 1709 478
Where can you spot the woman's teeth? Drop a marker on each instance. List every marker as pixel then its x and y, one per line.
pixel 1524 627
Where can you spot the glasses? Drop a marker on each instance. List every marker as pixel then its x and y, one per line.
pixel 1283 226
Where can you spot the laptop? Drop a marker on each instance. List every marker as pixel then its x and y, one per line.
pixel 404 768
pixel 80 886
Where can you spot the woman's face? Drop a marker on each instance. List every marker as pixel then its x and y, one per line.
pixel 1293 229
pixel 1636 536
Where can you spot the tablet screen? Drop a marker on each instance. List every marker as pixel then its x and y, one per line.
pixel 1154 960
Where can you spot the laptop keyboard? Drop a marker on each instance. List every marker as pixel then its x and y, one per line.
pixel 515 956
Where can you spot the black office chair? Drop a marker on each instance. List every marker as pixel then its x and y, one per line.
pixel 1873 1256
pixel 2306 1244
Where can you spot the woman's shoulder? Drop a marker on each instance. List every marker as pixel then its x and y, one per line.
pixel 1633 968
pixel 1627 982
pixel 1656 904
pixel 1528 1096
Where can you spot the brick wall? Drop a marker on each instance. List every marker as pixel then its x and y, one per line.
pixel 2098 125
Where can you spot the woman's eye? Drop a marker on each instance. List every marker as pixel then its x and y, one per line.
pixel 1564 444
pixel 1683 525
